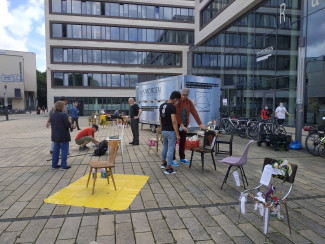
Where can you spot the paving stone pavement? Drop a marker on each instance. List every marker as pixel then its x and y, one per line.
pixel 187 207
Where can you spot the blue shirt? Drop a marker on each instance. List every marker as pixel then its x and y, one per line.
pixel 74 112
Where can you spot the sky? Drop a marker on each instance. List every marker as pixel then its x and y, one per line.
pixel 22 28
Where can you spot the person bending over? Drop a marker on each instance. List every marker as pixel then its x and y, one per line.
pixel 85 136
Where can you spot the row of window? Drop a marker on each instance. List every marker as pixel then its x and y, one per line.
pixel 98 56
pixel 262 20
pixel 232 61
pixel 250 41
pixel 89 105
pixel 211 10
pixel 115 33
pixel 124 10
pixel 101 79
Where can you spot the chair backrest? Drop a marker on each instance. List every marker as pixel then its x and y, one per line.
pixel 113 144
pixel 209 138
pixel 290 178
pixel 243 157
pixel 102 117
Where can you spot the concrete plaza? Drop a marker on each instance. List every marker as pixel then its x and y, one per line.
pixel 187 207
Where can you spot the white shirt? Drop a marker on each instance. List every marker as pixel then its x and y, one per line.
pixel 281 112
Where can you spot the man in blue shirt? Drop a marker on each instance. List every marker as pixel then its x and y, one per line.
pixel 74 112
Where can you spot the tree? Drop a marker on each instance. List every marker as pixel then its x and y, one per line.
pixel 41 88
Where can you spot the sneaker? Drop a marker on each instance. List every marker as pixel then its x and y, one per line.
pixel 57 167
pixel 51 152
pixel 83 148
pixel 163 165
pixel 66 168
pixel 175 163
pixel 135 144
pixel 185 161
pixel 131 142
pixel 170 171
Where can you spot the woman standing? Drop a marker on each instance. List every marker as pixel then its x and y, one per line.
pixel 74 112
pixel 60 126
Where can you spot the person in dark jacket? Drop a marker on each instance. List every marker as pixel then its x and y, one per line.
pixel 60 128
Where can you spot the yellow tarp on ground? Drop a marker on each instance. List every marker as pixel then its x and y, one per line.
pixel 105 196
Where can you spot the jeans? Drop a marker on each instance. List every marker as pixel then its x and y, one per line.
pixel 135 130
pixel 182 141
pixel 169 139
pixel 64 147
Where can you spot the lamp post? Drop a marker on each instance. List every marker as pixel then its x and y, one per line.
pixel 6 103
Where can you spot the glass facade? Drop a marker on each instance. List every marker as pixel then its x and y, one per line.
pixel 89 105
pixel 256 58
pixel 211 10
pixel 108 80
pixel 131 34
pixel 122 10
pixel 106 56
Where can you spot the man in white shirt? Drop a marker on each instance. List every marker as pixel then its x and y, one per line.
pixel 280 113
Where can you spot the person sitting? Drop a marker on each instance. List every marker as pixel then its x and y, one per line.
pixel 85 136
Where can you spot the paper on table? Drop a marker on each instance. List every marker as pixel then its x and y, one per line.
pixel 235 173
pixel 266 175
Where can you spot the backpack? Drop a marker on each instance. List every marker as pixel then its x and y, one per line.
pixel 101 149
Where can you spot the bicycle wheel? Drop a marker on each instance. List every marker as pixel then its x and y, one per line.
pixel 241 130
pixel 227 127
pixel 321 149
pixel 252 132
pixel 280 130
pixel 312 143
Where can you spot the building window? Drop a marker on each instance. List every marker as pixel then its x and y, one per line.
pixel 124 10
pixel 79 79
pixel 76 31
pixel 211 10
pixel 90 56
pixel 17 92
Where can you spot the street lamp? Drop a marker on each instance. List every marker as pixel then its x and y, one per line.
pixel 6 103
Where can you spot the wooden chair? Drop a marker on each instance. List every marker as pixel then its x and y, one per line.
pixel 226 141
pixel 282 185
pixel 208 147
pixel 156 140
pixel 107 165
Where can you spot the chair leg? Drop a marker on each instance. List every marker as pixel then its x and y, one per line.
pixel 230 149
pixel 202 160
pixel 242 176
pixel 107 175
pixel 266 223
pixel 91 168
pixel 95 177
pixel 217 148
pixel 191 159
pixel 239 216
pixel 285 204
pixel 214 163
pixel 226 176
pixel 110 170
pixel 157 147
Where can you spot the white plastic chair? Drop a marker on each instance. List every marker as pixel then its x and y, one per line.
pixel 118 138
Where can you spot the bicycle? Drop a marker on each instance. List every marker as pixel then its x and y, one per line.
pixel 315 141
pixel 229 126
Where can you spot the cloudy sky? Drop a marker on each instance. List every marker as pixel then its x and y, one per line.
pixel 22 28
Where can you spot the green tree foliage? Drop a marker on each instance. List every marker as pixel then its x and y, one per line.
pixel 41 88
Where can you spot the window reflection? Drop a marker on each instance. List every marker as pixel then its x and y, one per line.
pixel 125 10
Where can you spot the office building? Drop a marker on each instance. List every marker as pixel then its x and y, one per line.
pixel 260 50
pixel 18 80
pixel 97 51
